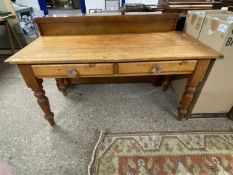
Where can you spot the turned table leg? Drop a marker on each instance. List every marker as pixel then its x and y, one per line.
pixel 61 85
pixel 36 85
pixel 193 81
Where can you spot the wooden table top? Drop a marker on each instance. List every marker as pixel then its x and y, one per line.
pixel 113 48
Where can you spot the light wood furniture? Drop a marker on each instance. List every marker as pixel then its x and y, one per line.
pixel 109 25
pixel 113 55
pixel 97 25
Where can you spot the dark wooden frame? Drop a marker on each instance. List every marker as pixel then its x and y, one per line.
pixel 230 114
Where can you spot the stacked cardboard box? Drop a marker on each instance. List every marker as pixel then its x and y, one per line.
pixel 195 19
pixel 214 30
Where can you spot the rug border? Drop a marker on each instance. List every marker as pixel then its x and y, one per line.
pixel 166 132
pixel 103 133
pixel 93 162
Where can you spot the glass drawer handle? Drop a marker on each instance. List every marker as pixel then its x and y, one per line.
pixel 157 69
pixel 72 72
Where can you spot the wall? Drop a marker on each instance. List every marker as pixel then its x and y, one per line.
pixel 100 4
pixel 34 4
pixel 2 5
pixel 31 3
pixel 93 4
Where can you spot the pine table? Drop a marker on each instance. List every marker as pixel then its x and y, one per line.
pixel 117 55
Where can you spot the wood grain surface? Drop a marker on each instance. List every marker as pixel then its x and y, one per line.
pixel 113 48
pixel 116 24
pixel 62 70
pixel 168 67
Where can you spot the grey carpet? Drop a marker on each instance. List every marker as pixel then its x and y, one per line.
pixel 31 147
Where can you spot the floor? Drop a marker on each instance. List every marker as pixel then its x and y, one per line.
pixel 30 146
pixel 64 13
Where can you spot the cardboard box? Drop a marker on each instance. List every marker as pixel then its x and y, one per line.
pixel 195 19
pixel 217 93
pixel 193 26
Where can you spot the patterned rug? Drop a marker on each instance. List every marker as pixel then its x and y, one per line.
pixel 188 153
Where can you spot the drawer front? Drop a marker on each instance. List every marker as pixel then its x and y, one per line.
pixel 159 67
pixel 72 70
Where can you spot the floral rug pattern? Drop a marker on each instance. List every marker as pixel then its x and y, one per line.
pixel 187 153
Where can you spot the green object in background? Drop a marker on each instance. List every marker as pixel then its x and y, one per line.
pixel 2 6
pixel 4 13
pixel 3 36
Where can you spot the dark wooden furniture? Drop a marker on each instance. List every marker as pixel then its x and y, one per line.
pixel 230 8
pixel 76 4
pixel 227 3
pixel 51 3
pixel 179 6
pixel 182 6
pixel 113 46
pixel 138 7
pixel 230 114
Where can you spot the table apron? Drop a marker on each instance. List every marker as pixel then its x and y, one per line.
pixel 115 69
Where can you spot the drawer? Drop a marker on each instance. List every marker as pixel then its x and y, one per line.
pixel 158 67
pixel 72 70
